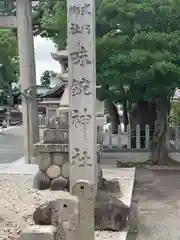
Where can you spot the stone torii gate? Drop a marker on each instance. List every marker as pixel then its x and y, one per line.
pixel 23 22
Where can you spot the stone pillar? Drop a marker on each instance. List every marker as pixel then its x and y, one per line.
pixel 82 91
pixel 82 113
pixel 27 76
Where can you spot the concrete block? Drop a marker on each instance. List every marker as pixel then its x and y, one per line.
pixel 56 136
pixel 39 233
pixel 126 178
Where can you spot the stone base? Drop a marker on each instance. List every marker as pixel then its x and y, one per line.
pixel 55 147
pixel 53 162
pixel 110 212
pixel 42 181
pixel 42 147
pixel 20 180
pixel 113 201
pixel 56 177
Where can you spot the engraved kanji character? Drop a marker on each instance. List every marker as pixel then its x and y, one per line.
pixel 80 86
pixel 75 28
pixel 80 57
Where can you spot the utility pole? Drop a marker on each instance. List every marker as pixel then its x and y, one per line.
pixel 27 77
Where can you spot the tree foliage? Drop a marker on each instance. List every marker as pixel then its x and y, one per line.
pixel 9 63
pixel 137 45
pixel 46 77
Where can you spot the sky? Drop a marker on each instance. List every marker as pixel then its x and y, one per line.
pixel 43 59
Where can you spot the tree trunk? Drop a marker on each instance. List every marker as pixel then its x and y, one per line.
pixel 159 153
pixel 142 113
pixel 113 115
pixel 125 116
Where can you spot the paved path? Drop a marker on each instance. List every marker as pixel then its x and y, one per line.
pixel 11 144
pixel 158 196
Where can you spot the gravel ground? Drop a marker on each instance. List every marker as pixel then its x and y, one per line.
pixel 18 201
pixel 157 193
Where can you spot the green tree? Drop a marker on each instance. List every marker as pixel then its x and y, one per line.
pixel 46 77
pixel 137 45
pixel 9 63
pixel 6 7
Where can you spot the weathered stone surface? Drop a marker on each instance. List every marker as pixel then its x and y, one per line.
pixel 65 217
pixel 53 171
pixel 65 170
pixel 56 136
pixel 100 178
pixel 59 183
pixel 63 214
pixel 39 233
pixel 98 157
pixel 41 181
pixel 110 212
pixel 133 221
pixel 43 214
pixel 99 171
pixel 51 147
pixel 43 160
pixel 60 122
pixel 83 189
pixel 58 158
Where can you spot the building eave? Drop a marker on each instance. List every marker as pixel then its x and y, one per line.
pixel 58 56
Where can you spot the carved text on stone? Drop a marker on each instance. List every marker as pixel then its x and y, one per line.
pixel 80 87
pixel 82 119
pixel 80 57
pixel 81 159
pixel 76 29
pixel 78 10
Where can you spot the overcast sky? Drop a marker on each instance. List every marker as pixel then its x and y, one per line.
pixel 44 61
